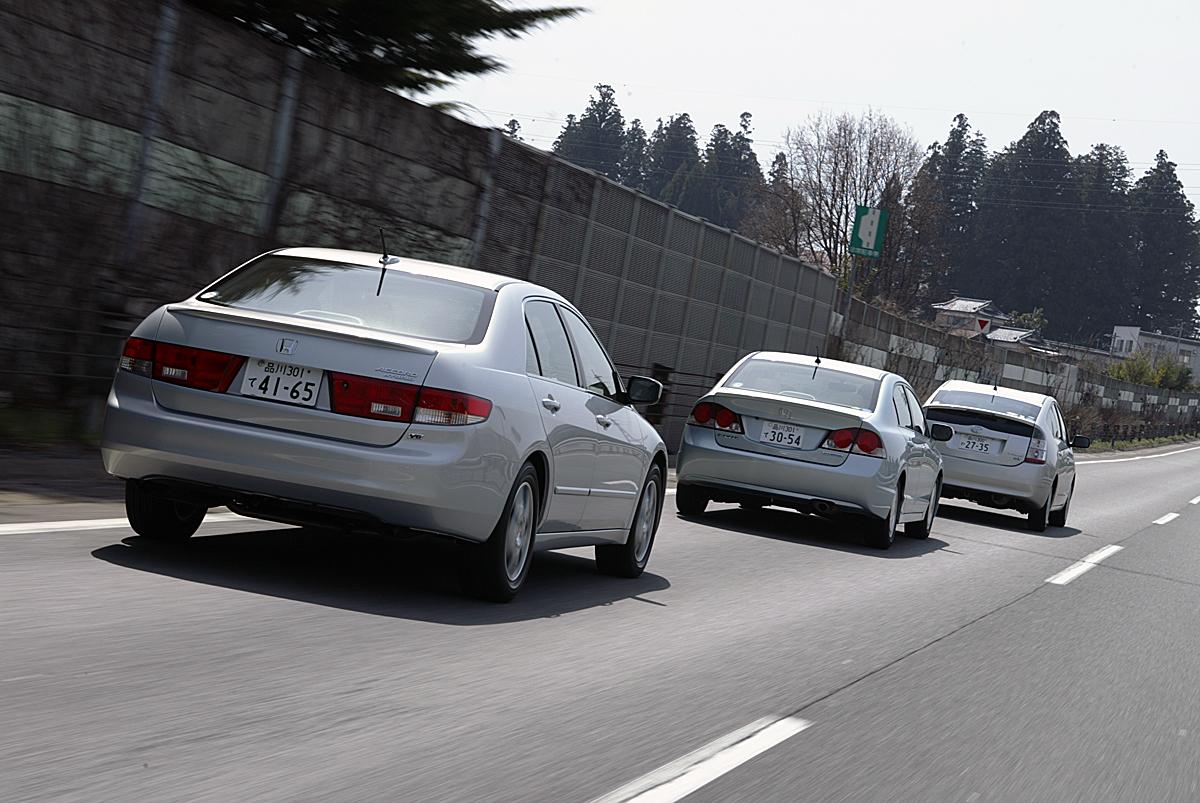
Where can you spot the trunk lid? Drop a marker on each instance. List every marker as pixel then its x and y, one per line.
pixel 290 349
pixel 803 425
pixel 984 436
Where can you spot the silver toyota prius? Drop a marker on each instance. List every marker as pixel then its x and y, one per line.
pixel 1011 449
pixel 816 435
pixel 345 389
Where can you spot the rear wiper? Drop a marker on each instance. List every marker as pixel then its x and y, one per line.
pixel 384 261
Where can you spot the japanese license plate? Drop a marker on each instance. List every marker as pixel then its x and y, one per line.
pixel 282 382
pixel 777 434
pixel 974 443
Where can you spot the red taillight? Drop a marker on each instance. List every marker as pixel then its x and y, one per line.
pixel 450 408
pixel 138 356
pixel 869 443
pixel 1036 453
pixel 366 397
pixel 859 440
pixel 714 416
pixel 195 368
pixel 384 400
pixel 840 439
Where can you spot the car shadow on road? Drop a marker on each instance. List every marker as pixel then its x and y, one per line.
pixel 404 578
pixel 786 525
pixel 1000 520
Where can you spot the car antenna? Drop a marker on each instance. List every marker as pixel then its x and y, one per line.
pixel 384 261
pixel 816 365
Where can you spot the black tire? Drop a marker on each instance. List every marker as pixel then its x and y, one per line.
pixel 630 558
pixel 690 500
pixel 1038 520
pixel 881 533
pixel 922 529
pixel 154 516
pixel 1058 518
pixel 487 570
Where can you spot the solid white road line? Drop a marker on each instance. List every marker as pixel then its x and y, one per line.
pixel 1195 501
pixel 1131 459
pixel 1167 519
pixel 33 527
pixel 1087 564
pixel 674 781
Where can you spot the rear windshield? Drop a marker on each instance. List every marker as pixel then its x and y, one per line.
pixel 416 306
pixel 986 401
pixel 802 382
pixel 967 418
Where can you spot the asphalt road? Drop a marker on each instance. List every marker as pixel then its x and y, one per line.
pixel 265 663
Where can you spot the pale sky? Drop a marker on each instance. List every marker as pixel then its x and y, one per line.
pixel 1122 73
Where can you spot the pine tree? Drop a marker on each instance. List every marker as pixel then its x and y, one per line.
pixel 1103 263
pixel 673 154
pixel 1168 251
pixel 512 130
pixel 595 139
pixel 635 160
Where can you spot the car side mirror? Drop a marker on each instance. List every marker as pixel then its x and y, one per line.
pixel 1080 442
pixel 643 390
pixel 940 432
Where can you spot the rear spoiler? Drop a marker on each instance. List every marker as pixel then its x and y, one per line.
pixel 294 324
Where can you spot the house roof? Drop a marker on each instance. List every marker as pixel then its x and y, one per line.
pixel 1009 334
pixel 971 306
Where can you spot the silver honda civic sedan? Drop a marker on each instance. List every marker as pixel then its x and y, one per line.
pixel 816 435
pixel 345 389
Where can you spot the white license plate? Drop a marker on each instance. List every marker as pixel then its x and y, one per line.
pixel 776 434
pixel 972 443
pixel 282 382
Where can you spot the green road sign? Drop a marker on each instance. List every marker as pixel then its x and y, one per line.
pixel 870 225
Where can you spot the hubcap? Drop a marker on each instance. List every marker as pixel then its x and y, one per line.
pixel 643 529
pixel 519 535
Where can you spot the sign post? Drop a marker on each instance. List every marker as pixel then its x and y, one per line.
pixel 866 240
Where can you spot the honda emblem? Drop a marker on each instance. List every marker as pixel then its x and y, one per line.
pixel 286 346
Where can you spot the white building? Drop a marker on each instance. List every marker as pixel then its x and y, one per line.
pixel 1129 339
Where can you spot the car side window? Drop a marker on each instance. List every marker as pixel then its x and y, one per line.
pixel 903 413
pixel 918 415
pixel 531 359
pixel 595 369
pixel 1062 424
pixel 1056 427
pixel 550 341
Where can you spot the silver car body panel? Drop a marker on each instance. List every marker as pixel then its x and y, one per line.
pixel 452 480
pixel 1008 475
pixel 856 483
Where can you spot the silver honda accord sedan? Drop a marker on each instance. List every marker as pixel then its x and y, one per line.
pixel 816 435
pixel 345 389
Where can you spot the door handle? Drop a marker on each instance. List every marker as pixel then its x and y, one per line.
pixel 550 404
pixel 603 421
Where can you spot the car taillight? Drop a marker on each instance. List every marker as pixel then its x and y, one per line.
pixel 1036 453
pixel 366 397
pixel 138 356
pixel 195 368
pixel 450 408
pixel 714 416
pixel 858 440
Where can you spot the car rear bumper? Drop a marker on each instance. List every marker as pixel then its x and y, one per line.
pixel 1028 484
pixel 860 485
pixel 456 488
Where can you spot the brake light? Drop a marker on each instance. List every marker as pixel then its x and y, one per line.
pixel 714 416
pixel 857 440
pixel 366 397
pixel 195 368
pixel 450 408
pixel 1036 453
pixel 138 356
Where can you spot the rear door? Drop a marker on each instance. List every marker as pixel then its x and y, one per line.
pixel 570 423
pixel 1064 454
pixel 621 463
pixel 914 470
pixel 925 457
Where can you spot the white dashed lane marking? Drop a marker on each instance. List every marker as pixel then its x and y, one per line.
pixel 1167 519
pixel 1086 565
